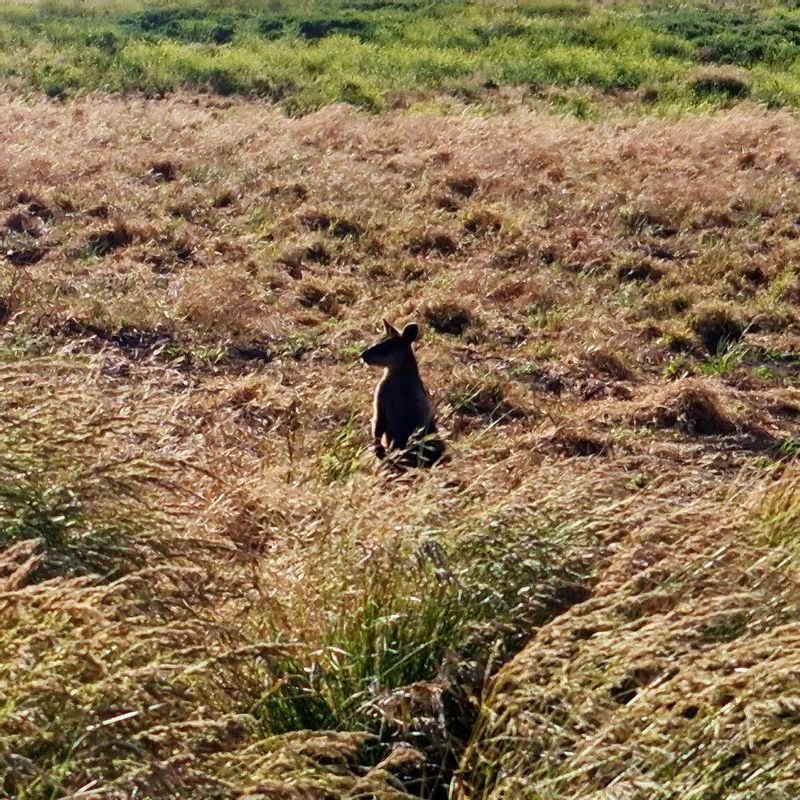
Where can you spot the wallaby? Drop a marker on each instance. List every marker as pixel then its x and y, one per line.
pixel 403 416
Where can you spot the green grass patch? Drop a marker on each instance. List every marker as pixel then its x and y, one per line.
pixel 730 36
pixel 363 53
pixel 463 600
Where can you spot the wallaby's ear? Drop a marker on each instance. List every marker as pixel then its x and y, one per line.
pixel 391 331
pixel 410 332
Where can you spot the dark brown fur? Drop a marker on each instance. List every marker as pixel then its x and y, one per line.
pixel 403 418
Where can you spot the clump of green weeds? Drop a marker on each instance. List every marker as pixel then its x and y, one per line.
pixel 728 358
pixel 460 604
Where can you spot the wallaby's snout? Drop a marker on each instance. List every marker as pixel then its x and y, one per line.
pixel 403 416
pixel 395 348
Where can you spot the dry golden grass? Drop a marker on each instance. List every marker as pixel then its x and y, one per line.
pixel 611 335
pixel 678 678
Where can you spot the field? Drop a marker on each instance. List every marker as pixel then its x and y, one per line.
pixel 208 589
pixel 577 56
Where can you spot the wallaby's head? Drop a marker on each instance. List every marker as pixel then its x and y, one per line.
pixel 394 349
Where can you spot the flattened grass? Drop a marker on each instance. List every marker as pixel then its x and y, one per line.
pixel 677 680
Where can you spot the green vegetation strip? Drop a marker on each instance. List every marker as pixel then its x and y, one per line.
pixel 372 53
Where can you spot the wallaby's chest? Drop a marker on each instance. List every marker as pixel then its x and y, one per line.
pixel 403 406
pixel 395 397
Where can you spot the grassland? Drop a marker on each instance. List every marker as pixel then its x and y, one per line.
pixel 208 589
pixel 576 56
